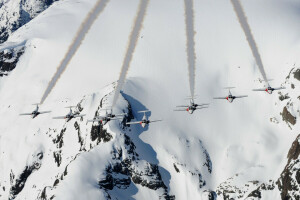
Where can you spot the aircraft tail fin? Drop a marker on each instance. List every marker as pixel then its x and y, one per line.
pixel 192 97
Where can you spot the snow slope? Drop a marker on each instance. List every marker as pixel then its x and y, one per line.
pixel 14 14
pixel 227 147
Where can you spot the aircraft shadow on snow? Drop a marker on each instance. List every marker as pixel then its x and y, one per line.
pixel 145 151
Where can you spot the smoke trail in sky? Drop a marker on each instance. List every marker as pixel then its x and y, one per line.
pixel 133 38
pixel 246 28
pixel 190 43
pixel 79 37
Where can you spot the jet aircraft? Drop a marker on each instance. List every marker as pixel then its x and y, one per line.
pixel 192 107
pixel 144 120
pixel 230 97
pixel 36 112
pixel 70 115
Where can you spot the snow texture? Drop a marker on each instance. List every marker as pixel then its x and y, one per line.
pixel 245 150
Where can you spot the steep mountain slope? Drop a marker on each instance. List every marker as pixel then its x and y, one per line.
pixel 243 150
pixel 13 15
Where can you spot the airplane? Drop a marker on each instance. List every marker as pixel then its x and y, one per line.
pixel 144 120
pixel 103 120
pixel 192 107
pixel 230 97
pixel 70 115
pixel 269 89
pixel 36 112
pixel 107 117
pixel 111 115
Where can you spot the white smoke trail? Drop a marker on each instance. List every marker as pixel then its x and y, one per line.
pixel 79 37
pixel 133 38
pixel 190 43
pixel 246 28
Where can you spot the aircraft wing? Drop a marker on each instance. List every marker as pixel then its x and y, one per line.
pixel 116 118
pixel 279 88
pixel 203 104
pixel 26 114
pixel 180 110
pixel 182 106
pixel 156 120
pixel 134 122
pixel 260 89
pixel 43 112
pixel 59 117
pixel 201 108
pixel 220 97
pixel 120 114
pixel 79 115
pixel 242 96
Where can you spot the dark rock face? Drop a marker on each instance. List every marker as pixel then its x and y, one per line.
pixel 288 183
pixel 98 133
pixel 19 183
pixel 258 192
pixel 228 190
pixel 288 117
pixel 283 97
pixel 297 74
pixel 176 168
pixel 57 157
pixel 294 151
pixel 125 171
pixel 209 195
pixel 9 60
pixel 59 139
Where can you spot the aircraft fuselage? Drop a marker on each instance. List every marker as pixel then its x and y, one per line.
pixel 69 117
pixel 269 90
pixel 191 109
pixel 105 120
pixel 144 122
pixel 230 98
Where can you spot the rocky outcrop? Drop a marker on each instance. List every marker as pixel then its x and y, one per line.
pixel 19 183
pixel 288 117
pixel 297 74
pixel 14 14
pixel 289 181
pixel 228 190
pixel 124 171
pixel 9 59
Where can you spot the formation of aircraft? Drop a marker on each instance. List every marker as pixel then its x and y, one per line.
pixel 108 117
pixel 36 112
pixel 230 97
pixel 70 115
pixel 192 106
pixel 144 120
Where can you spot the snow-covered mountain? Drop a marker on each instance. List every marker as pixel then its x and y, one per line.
pixel 13 15
pixel 245 150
